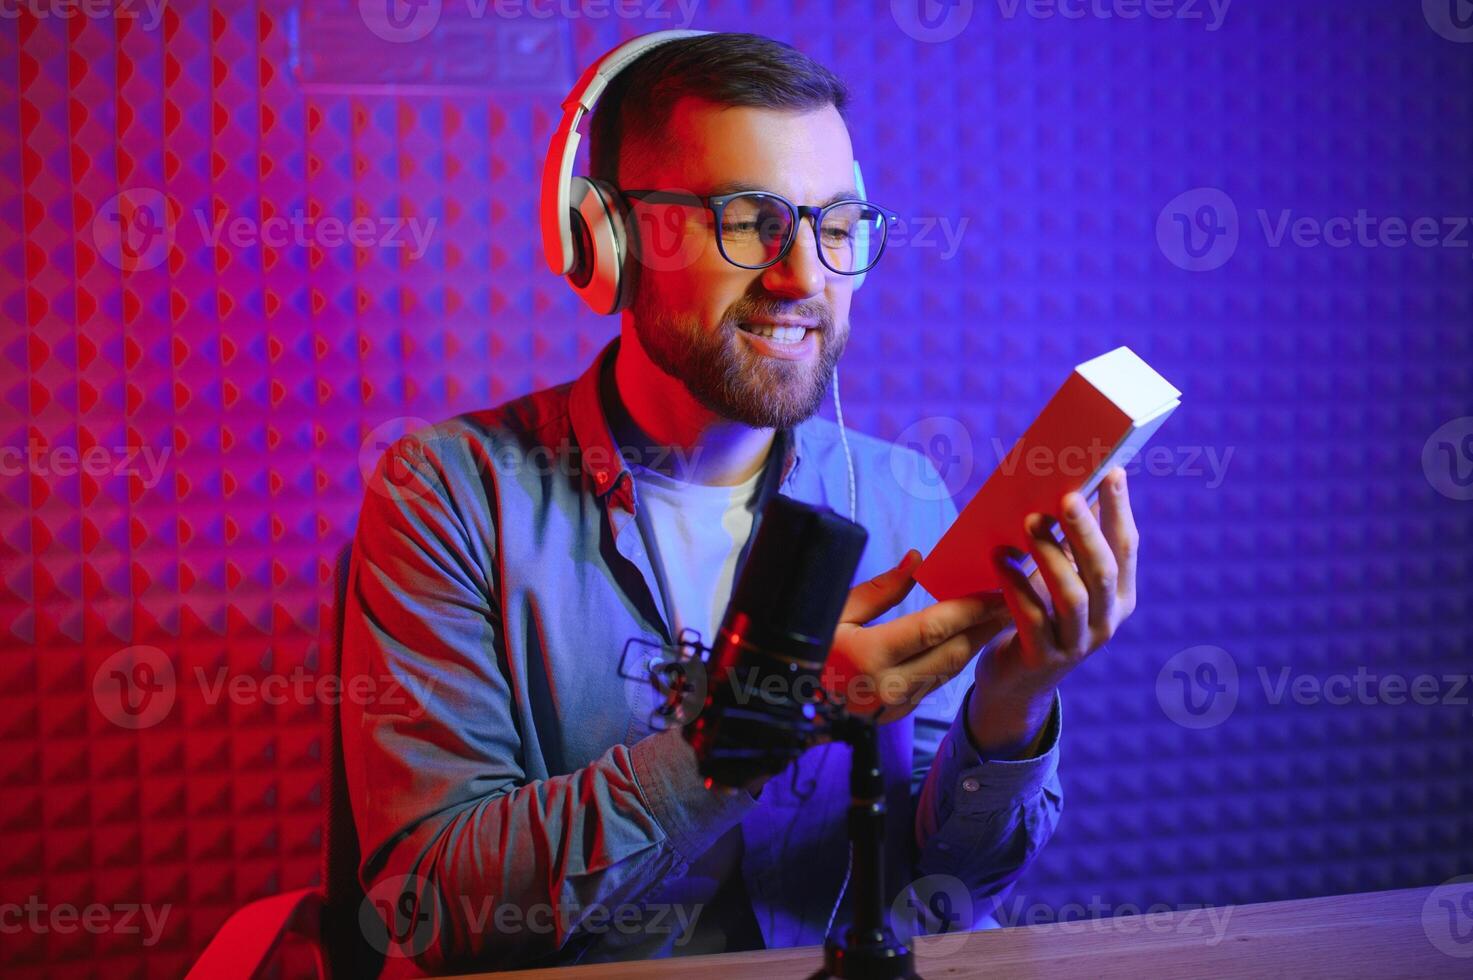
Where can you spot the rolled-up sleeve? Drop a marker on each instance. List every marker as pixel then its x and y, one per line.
pixel 443 808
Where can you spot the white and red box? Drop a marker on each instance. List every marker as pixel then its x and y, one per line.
pixel 1100 418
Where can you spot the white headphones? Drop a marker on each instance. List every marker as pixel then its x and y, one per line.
pixel 585 237
pixel 589 244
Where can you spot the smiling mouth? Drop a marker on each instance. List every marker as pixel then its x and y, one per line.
pixel 777 334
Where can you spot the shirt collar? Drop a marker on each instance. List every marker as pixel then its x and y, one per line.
pixel 601 460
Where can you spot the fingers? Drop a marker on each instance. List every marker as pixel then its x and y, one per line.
pixel 881 593
pixel 895 692
pixel 1117 523
pixel 923 629
pixel 1028 611
pixel 1095 562
pixel 931 668
pixel 1069 595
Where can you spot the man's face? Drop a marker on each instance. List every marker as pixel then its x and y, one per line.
pixel 692 309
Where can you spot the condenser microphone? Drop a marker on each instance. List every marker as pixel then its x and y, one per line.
pixel 766 661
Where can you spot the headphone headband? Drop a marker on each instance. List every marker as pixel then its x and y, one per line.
pixel 557 169
pixel 584 238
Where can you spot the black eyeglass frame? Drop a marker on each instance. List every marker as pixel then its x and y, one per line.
pixel 717 203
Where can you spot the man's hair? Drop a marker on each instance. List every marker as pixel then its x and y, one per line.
pixel 727 69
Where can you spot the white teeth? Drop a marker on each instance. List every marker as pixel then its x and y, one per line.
pixel 782 335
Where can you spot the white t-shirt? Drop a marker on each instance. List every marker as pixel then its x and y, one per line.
pixel 694 533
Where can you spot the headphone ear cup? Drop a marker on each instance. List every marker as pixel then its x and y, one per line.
pixel 600 245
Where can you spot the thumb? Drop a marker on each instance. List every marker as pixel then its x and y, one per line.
pixel 881 593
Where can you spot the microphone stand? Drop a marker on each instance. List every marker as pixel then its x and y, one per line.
pixel 868 948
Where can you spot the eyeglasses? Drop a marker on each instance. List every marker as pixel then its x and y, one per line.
pixel 755 229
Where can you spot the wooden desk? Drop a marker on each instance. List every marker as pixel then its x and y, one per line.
pixel 1374 935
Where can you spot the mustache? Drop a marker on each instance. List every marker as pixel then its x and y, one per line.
pixel 742 313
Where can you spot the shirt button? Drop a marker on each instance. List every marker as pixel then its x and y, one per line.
pixel 971 785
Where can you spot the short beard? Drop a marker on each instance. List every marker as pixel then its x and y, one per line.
pixel 734 382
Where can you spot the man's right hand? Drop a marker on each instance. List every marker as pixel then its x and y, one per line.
pixel 887 669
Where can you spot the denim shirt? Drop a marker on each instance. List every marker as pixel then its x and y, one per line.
pixel 517 789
